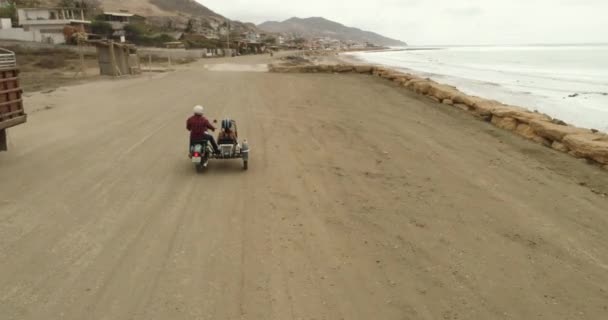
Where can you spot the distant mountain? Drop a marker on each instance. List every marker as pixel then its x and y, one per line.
pixel 321 27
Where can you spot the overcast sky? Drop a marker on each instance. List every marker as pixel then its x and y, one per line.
pixel 443 21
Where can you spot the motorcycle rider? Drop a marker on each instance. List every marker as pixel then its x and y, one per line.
pixel 198 126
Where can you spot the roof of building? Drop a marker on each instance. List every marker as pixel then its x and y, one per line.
pixel 50 8
pixel 119 14
pixel 176 35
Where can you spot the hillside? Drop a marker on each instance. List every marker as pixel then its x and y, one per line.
pixel 172 14
pixel 160 7
pixel 148 7
pixel 321 27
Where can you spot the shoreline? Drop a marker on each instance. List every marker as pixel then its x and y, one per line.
pixel 576 100
pixel 582 143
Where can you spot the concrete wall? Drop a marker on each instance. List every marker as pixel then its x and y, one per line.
pixel 6 23
pixel 20 35
pixel 173 53
pixel 124 61
pixel 177 54
pixel 105 62
pixel 50 33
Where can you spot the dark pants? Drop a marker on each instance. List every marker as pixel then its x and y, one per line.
pixel 207 138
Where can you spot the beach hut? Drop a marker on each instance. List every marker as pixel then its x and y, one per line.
pixel 117 59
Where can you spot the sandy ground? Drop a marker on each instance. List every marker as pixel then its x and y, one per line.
pixel 362 202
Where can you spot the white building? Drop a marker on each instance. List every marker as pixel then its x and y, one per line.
pixel 50 22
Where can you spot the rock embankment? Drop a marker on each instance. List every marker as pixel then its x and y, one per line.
pixel 534 126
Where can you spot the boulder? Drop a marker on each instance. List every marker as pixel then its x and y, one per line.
pixel 554 131
pixel 386 74
pixel 505 123
pixel 442 92
pixel 383 73
pixel 526 131
pixel 275 68
pixel 448 102
pixel 576 155
pixel 461 106
pixel 589 145
pixel 284 69
pixel 343 68
pixel 411 83
pixel 484 108
pixel 309 69
pixel 519 113
pixel 364 69
pixel 400 80
pixel 560 147
pixel 544 141
pixel 420 86
pixel 434 99
pixel 324 68
pixel 377 71
pixel 466 99
pixel 394 75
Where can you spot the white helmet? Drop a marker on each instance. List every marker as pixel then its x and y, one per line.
pixel 199 110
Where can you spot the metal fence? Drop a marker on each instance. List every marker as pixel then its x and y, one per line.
pixel 7 59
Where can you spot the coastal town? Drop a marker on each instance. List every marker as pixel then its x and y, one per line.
pixel 82 23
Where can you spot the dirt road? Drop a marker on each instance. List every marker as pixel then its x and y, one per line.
pixel 362 202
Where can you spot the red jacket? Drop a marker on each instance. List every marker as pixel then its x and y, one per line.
pixel 198 126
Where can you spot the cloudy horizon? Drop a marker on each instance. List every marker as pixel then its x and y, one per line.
pixel 444 22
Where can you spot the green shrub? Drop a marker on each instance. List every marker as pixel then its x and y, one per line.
pixel 102 28
pixel 141 35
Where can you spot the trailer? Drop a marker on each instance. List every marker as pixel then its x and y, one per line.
pixel 11 100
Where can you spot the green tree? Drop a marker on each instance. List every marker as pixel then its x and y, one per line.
pixel 9 11
pixel 92 8
pixel 24 3
pixel 102 28
pixel 81 4
pixel 135 32
pixel 190 26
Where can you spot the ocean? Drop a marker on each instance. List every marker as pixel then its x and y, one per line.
pixel 567 82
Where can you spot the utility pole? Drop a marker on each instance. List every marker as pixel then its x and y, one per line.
pixel 228 40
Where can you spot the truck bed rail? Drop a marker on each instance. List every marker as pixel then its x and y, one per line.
pixel 11 101
pixel 7 59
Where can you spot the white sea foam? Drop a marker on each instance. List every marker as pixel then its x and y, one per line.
pixel 567 82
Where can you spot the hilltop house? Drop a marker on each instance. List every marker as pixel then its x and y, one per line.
pixel 119 20
pixel 49 23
